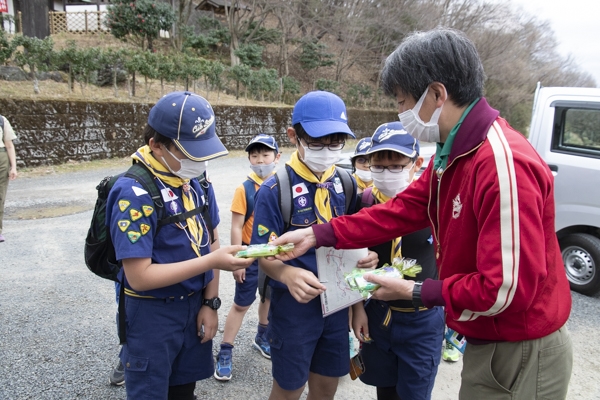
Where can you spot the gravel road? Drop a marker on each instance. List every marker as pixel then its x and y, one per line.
pixel 57 320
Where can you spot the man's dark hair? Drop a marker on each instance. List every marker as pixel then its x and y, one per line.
pixel 150 133
pixel 440 55
pixel 259 148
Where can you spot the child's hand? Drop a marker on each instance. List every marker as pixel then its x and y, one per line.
pixel 224 258
pixel 303 240
pixel 302 284
pixel 370 261
pixel 360 322
pixel 207 323
pixel 239 276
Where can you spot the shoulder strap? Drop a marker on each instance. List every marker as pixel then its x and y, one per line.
pixel 348 184
pixel 205 184
pixel 285 196
pixel 142 174
pixel 1 122
pixel 250 190
pixel 367 199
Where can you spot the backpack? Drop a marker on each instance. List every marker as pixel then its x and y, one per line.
pixel 285 202
pixel 250 190
pixel 99 251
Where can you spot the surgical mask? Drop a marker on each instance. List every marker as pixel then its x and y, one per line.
pixel 320 160
pixel 263 170
pixel 189 169
pixel 364 176
pixel 391 183
pixel 423 131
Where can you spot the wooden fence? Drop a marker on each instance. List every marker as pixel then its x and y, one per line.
pixel 78 22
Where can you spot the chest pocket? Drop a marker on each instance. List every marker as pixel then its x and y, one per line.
pixel 304 219
pixel 339 211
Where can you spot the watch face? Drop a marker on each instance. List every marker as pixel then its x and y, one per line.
pixel 216 303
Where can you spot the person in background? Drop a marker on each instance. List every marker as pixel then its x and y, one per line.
pixel 8 164
pixel 360 165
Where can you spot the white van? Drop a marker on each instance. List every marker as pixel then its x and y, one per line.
pixel 565 130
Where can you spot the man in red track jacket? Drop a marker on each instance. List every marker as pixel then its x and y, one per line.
pixel 488 197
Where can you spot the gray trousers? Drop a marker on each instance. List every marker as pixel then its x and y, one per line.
pixel 527 370
pixel 4 168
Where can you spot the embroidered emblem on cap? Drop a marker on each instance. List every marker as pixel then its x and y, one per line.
pixel 123 224
pixel 202 125
pixel 123 204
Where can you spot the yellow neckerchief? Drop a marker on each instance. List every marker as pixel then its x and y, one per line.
pixel 396 243
pixel 360 183
pixel 144 155
pixel 322 200
pixel 255 178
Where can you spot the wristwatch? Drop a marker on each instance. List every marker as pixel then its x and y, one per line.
pixel 416 295
pixel 213 303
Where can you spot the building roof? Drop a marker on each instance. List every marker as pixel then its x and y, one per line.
pixel 218 6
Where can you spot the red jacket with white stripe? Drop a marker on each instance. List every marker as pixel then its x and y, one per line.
pixel 492 216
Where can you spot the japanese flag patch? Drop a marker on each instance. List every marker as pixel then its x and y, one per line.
pixel 299 189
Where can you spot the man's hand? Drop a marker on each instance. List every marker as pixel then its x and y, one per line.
pixel 370 261
pixel 302 284
pixel 391 288
pixel 303 240
pixel 207 323
pixel 224 258
pixel 12 174
pixel 240 275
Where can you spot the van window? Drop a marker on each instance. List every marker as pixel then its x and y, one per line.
pixel 577 131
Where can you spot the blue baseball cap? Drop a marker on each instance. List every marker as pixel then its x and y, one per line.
pixel 392 136
pixel 189 120
pixel 265 139
pixel 321 113
pixel 361 147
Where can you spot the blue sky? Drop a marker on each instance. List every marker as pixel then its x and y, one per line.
pixel 576 26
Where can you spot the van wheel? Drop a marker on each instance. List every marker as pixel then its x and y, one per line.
pixel 581 255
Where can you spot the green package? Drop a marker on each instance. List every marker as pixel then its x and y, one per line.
pixel 400 267
pixel 264 250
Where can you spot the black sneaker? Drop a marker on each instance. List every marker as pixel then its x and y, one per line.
pixel 117 375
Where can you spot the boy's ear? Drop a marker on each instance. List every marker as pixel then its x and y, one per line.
pixel 291 133
pixel 419 163
pixel 277 157
pixel 155 147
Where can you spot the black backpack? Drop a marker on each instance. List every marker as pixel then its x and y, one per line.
pixel 99 251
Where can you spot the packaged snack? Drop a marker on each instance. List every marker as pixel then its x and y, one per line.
pixel 399 268
pixel 264 250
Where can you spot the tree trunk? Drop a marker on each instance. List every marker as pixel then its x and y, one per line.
pixel 133 84
pixel 115 81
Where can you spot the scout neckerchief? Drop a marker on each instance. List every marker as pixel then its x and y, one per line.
pixel 360 183
pixel 144 155
pixel 322 199
pixel 443 149
pixel 255 178
pixel 397 242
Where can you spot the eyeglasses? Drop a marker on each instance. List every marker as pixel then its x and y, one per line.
pixel 395 169
pixel 320 146
pixel 361 160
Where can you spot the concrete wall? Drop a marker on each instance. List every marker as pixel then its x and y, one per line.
pixel 54 132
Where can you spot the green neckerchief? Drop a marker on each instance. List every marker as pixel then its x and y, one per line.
pixel 443 149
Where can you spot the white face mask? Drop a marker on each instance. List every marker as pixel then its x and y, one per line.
pixel 390 183
pixel 263 170
pixel 320 160
pixel 423 131
pixel 364 176
pixel 189 169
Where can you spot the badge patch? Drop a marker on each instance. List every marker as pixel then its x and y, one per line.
pixel 302 202
pixel 123 204
pixel 147 210
pixel 168 194
pixel 135 214
pixel 262 230
pixel 138 191
pixel 133 236
pixel 123 224
pixel 456 206
pixel 145 228
pixel 272 236
pixel 299 190
pixel 337 185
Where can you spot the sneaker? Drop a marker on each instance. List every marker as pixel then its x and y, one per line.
pixel 261 344
pixel 117 375
pixel 450 353
pixel 224 366
pixel 1 238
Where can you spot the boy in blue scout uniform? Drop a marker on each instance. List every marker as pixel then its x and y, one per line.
pixel 305 346
pixel 403 356
pixel 360 165
pixel 263 154
pixel 171 291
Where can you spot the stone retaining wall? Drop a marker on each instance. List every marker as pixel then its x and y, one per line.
pixel 54 132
